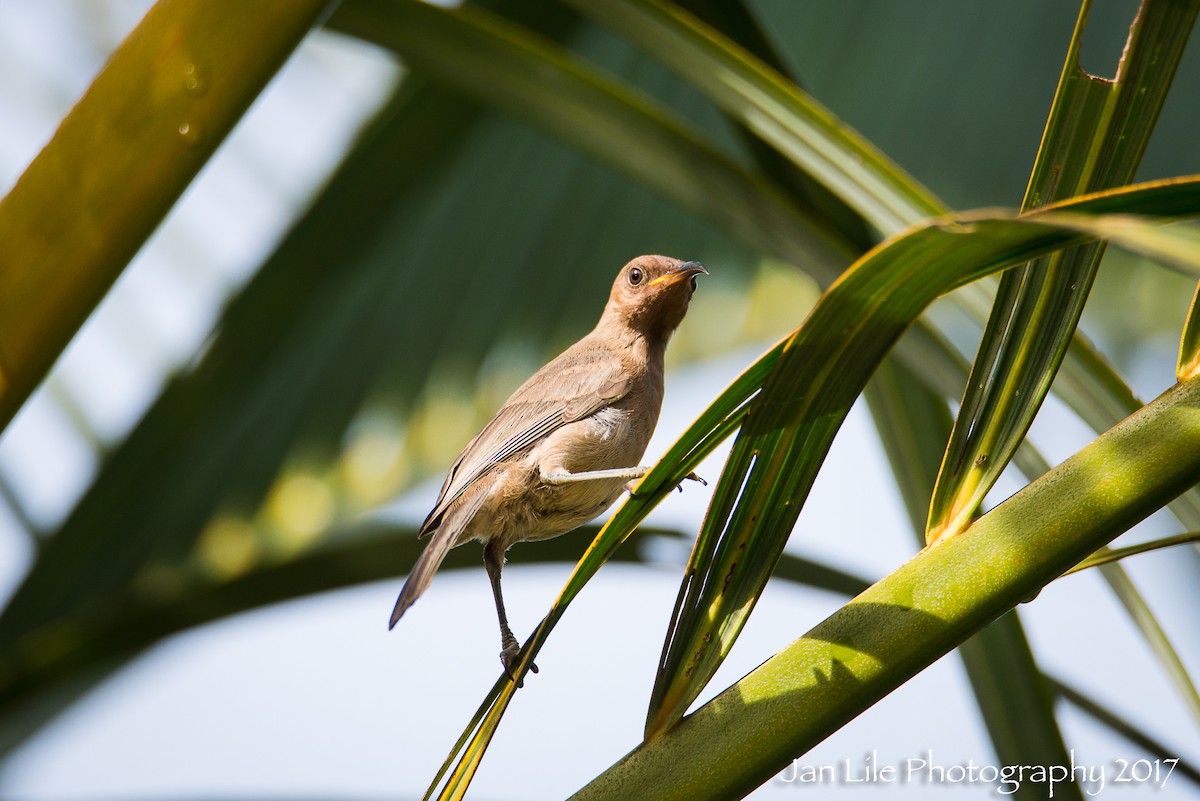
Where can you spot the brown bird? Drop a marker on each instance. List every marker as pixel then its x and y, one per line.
pixel 567 443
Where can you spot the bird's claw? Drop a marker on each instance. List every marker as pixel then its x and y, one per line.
pixel 691 477
pixel 509 657
pixel 632 486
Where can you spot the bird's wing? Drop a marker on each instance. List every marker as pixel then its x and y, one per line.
pixel 573 386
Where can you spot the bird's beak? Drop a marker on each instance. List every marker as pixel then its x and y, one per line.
pixel 680 273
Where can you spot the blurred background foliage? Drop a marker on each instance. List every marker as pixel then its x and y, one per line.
pixel 455 248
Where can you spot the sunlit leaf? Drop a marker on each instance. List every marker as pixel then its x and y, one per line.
pixel 912 421
pixel 741 24
pixel 1013 696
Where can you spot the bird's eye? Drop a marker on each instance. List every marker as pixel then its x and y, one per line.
pixel 635 276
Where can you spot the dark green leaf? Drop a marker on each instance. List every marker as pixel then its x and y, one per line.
pixel 502 63
pixel 774 109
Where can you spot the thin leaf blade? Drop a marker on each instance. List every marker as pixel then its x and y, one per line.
pixel 1094 139
pixel 774 109
pixel 1188 364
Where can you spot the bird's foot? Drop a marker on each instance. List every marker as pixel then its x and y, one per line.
pixel 510 650
pixel 632 486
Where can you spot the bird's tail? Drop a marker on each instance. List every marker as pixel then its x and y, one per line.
pixel 445 538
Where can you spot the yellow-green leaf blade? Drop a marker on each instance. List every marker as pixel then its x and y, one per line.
pixel 1189 344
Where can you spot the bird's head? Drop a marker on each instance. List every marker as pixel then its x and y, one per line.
pixel 651 294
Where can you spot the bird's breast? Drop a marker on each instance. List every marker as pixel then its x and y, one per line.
pixel 523 507
pixel 520 506
pixel 613 437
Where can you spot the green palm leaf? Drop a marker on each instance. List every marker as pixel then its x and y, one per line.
pixel 790 427
pixel 903 623
pixel 774 109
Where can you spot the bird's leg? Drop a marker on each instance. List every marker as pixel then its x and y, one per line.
pixel 631 473
pixel 595 475
pixel 493 560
